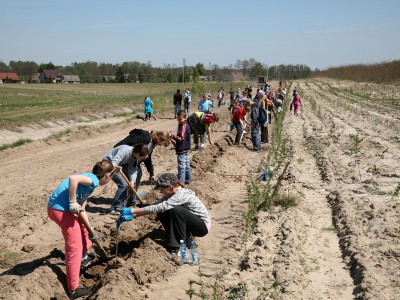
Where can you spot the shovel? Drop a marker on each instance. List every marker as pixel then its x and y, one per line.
pixel 133 190
pixel 83 217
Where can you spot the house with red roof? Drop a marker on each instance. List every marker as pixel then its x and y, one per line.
pixel 9 77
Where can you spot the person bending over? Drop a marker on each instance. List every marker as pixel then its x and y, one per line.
pixel 65 205
pixel 128 159
pixel 180 211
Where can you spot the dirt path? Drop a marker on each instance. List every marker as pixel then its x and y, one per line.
pixel 340 242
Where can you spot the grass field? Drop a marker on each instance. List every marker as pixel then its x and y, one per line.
pixel 22 104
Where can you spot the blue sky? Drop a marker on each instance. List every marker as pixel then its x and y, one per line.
pixel 317 33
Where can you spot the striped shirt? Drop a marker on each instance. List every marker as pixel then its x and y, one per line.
pixel 184 198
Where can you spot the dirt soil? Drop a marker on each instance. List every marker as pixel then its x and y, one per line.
pixel 340 242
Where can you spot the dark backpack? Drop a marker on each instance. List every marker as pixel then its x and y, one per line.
pixel 192 120
pixel 136 136
pixel 263 117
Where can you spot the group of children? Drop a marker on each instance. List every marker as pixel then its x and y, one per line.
pixel 257 111
pixel 182 214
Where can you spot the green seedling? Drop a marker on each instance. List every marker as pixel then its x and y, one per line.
pixel 355 150
pixel 335 229
pixel 396 192
pixel 191 291
pixel 380 156
pixel 216 293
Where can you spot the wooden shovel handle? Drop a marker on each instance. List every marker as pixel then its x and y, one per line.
pixel 133 190
pixel 83 217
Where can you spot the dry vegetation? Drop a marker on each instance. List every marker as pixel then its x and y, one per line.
pixel 385 72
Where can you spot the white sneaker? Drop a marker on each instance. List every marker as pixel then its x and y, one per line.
pixel 202 146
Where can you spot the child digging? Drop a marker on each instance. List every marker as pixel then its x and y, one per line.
pixel 238 120
pixel 182 214
pixel 182 148
pixel 64 206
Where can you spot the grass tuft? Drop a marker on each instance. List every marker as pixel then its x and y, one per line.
pixel 286 201
pixel 16 144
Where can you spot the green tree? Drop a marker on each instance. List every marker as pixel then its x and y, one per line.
pixel 257 70
pixel 24 69
pixel 170 77
pixel 49 66
pixel 201 70
pixel 4 67
pixel 119 76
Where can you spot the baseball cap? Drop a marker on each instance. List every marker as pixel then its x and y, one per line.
pixel 166 179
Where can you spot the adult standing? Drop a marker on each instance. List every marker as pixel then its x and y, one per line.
pixel 177 102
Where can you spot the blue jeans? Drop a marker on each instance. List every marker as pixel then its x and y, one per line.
pixel 177 108
pixel 255 135
pixel 184 170
pixel 186 105
pixel 121 199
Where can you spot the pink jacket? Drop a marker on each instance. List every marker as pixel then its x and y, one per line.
pixel 296 100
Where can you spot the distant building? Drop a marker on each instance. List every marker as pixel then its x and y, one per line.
pixel 55 76
pixel 10 77
pixel 70 79
pixel 205 78
pixel 50 76
pixel 109 79
pixel 35 78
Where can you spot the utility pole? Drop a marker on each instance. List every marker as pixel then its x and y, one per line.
pixel 209 66
pixel 183 71
pixel 267 72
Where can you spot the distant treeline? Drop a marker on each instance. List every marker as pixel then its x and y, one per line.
pixel 92 72
pixel 384 72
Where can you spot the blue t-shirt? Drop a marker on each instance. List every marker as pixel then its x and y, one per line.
pixel 204 105
pixel 148 108
pixel 59 199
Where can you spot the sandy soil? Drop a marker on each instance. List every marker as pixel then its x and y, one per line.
pixel 340 242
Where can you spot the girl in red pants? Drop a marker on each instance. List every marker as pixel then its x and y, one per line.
pixel 64 206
